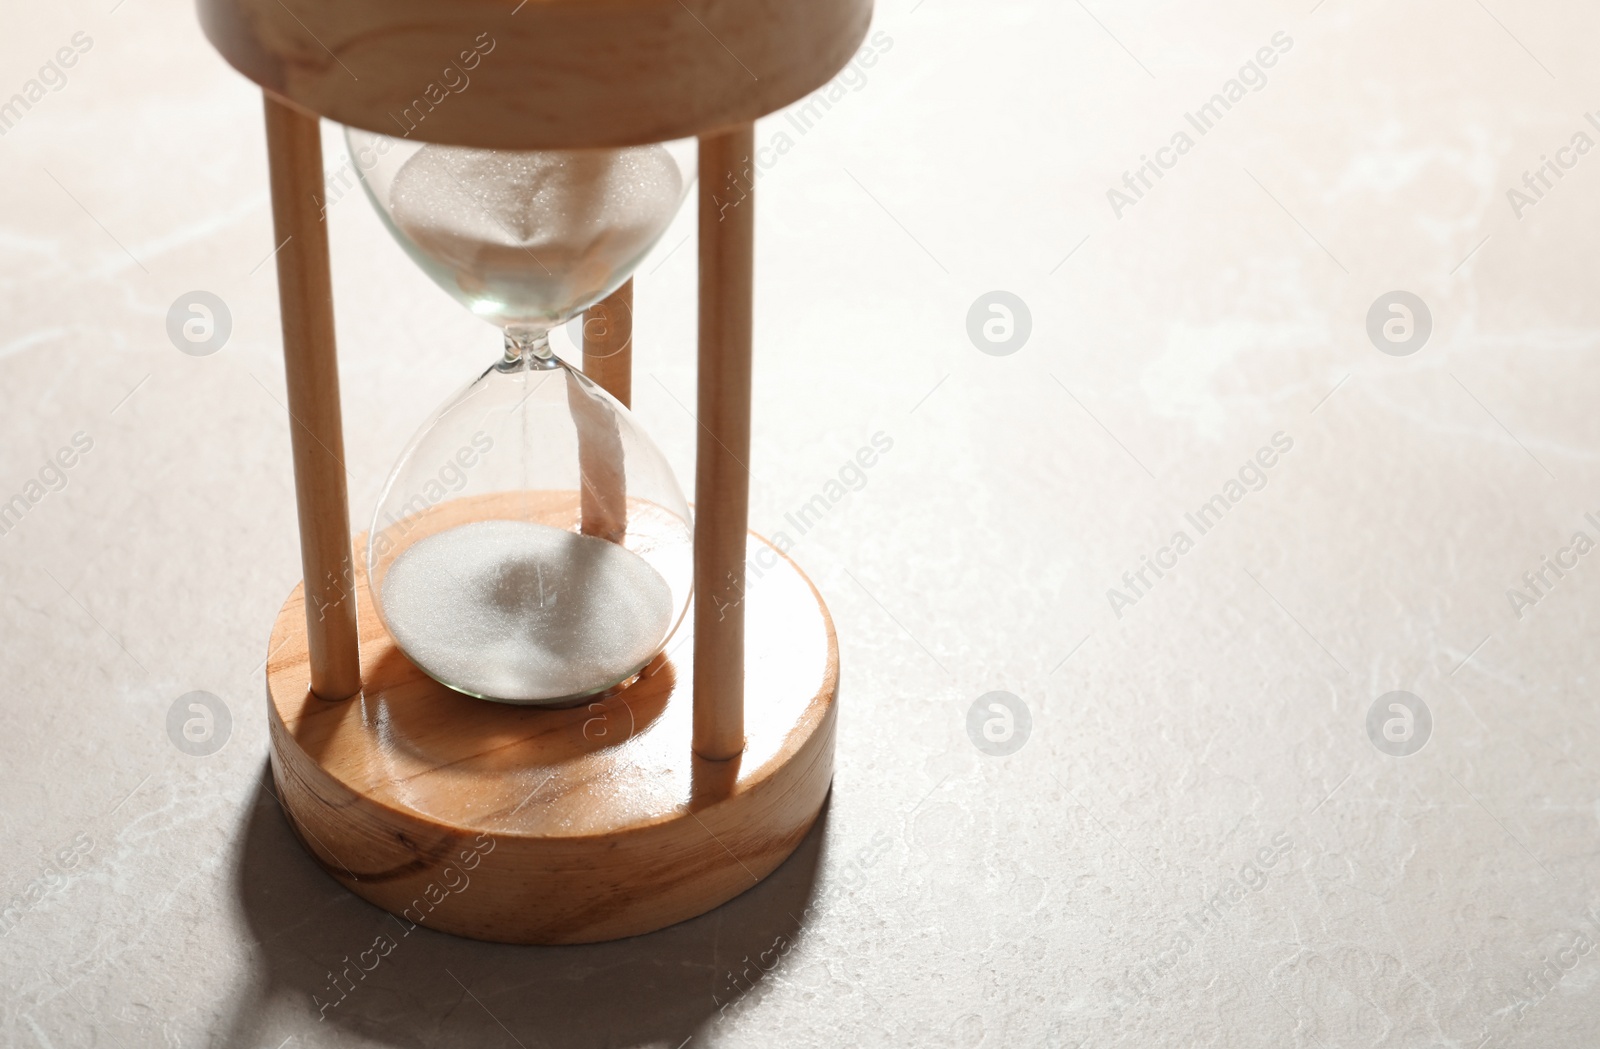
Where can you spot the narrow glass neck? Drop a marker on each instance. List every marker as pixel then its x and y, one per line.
pixel 527 347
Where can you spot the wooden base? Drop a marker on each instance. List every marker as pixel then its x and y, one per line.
pixel 528 825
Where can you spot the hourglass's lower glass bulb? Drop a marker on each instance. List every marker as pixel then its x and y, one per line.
pixel 531 545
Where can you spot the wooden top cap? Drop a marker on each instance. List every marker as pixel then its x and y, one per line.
pixel 538 74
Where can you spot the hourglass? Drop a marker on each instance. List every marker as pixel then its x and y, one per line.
pixel 531 545
pixel 543 698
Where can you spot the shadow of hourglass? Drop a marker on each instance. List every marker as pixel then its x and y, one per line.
pixel 325 957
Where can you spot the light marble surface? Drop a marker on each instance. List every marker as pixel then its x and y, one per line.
pixel 1050 897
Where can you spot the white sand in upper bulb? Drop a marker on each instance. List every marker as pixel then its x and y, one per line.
pixel 524 612
pixel 535 228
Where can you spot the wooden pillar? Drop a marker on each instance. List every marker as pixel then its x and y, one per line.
pixel 305 299
pixel 722 475
pixel 608 360
pixel 608 343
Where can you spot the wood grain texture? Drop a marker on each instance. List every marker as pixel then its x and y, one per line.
pixel 608 343
pixel 608 360
pixel 311 372
pixel 531 825
pixel 601 466
pixel 542 74
pixel 722 455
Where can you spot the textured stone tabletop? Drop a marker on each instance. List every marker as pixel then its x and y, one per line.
pixel 1236 366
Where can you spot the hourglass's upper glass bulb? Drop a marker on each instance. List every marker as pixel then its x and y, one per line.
pixel 532 545
pixel 524 239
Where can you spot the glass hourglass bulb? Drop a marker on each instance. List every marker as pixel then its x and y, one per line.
pixel 531 545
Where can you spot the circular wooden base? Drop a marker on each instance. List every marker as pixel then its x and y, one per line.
pixel 529 825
